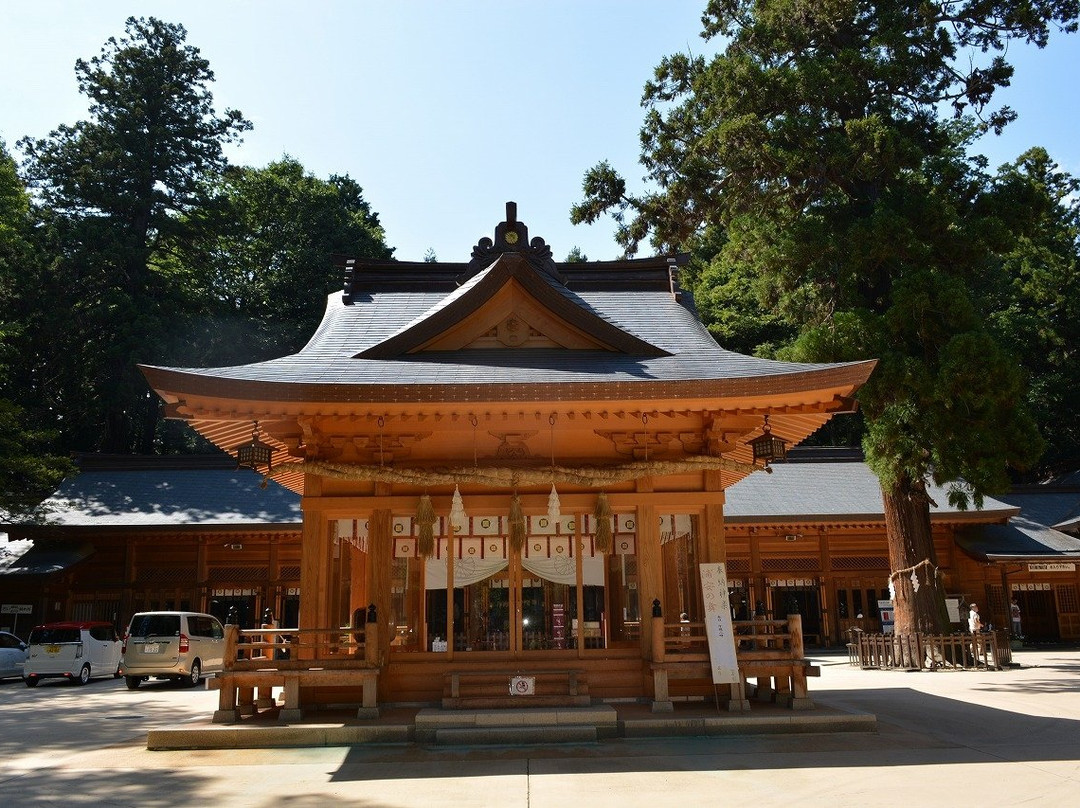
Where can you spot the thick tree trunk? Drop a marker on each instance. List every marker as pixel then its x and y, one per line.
pixel 911 549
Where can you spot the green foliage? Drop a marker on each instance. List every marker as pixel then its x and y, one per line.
pixel 29 468
pixel 1033 293
pixel 576 256
pixel 845 219
pixel 114 189
pixel 258 273
pixel 141 244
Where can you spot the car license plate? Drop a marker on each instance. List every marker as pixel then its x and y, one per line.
pixel 151 648
pixel 52 649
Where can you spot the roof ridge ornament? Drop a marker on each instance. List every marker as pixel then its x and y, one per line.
pixel 512 235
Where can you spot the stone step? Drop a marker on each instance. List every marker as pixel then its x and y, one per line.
pixel 513 702
pixel 540 724
pixel 493 736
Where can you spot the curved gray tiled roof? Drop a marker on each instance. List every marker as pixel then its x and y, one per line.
pixel 171 497
pixel 653 316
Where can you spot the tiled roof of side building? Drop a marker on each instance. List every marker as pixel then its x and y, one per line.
pixel 1020 539
pixel 832 491
pixel 170 497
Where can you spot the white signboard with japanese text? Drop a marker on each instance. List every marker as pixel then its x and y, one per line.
pixel 718 629
pixel 1051 566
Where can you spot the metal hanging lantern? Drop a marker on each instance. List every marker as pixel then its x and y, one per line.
pixel 767 446
pixel 254 454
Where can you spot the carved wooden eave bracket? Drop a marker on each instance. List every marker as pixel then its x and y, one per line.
pixel 366 447
pixel 641 445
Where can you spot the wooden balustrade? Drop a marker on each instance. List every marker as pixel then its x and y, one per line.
pixel 293 658
pixel 769 651
pixel 250 649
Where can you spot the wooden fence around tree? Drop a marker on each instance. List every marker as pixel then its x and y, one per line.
pixel 988 650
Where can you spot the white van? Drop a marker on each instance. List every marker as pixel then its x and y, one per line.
pixel 78 651
pixel 181 646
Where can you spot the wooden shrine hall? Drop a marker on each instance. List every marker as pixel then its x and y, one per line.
pixel 510 471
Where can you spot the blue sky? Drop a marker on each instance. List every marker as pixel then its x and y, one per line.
pixel 443 111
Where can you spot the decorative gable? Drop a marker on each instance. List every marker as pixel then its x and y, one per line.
pixel 513 318
pixel 516 301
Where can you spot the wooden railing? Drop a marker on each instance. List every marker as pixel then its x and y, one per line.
pixel 988 650
pixel 761 639
pixel 293 648
pixel 258 660
pixel 769 651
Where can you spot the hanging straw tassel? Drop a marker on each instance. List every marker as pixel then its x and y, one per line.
pixel 603 523
pixel 517 524
pixel 425 523
pixel 457 512
pixel 554 506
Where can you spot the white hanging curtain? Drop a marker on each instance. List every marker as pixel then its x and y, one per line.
pixel 466 571
pixel 561 570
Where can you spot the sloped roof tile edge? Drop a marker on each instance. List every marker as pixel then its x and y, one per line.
pixel 215 382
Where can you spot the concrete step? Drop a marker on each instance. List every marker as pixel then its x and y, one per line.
pixel 533 725
pixel 513 702
pixel 489 736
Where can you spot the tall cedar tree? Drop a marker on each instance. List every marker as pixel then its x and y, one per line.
pixel 29 465
pixel 815 142
pixel 116 187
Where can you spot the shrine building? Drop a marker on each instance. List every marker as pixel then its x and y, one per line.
pixel 510 464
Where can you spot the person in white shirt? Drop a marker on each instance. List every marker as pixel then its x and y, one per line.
pixel 974 626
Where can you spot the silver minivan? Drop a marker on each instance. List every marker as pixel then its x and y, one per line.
pixel 181 646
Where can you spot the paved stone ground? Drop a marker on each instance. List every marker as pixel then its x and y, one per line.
pixel 943 738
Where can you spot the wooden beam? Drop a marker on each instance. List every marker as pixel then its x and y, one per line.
pixel 536 504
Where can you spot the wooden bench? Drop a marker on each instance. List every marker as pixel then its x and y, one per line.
pixel 490 689
pixel 238 687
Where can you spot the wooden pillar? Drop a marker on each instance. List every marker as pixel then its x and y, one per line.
pixel 755 572
pixel 380 564
pixel 830 620
pixel 358 581
pixel 714 544
pixel 314 567
pixel 579 595
pixel 273 588
pixel 650 567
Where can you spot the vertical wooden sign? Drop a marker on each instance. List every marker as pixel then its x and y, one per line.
pixel 718 629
